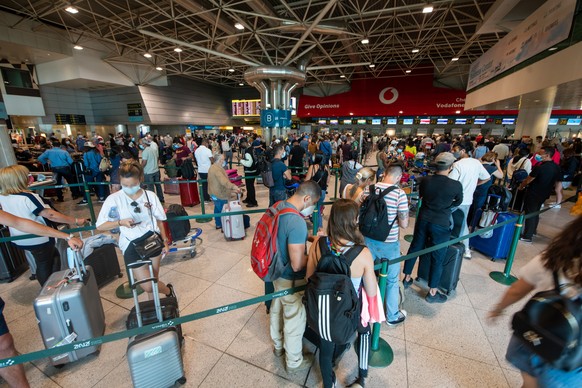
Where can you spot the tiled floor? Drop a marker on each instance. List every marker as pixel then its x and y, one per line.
pixel 450 345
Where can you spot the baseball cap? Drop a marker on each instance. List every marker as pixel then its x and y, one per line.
pixel 444 159
pixel 89 144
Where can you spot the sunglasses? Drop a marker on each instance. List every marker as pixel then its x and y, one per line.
pixel 136 207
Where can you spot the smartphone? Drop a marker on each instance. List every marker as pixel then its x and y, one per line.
pixel 135 223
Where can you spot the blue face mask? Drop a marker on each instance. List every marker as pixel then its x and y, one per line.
pixel 176 146
pixel 130 190
pixel 399 150
pixel 539 158
pixel 141 147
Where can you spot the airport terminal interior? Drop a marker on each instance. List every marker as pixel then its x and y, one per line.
pixel 389 71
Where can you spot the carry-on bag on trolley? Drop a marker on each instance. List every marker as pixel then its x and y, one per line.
pixel 179 229
pixel 171 186
pixel 189 194
pixel 105 264
pixel 155 358
pixel 233 226
pixel 451 267
pixel 68 309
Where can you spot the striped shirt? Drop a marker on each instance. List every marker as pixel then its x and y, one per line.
pixel 396 201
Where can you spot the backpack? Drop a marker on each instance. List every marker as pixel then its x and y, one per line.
pixel 265 168
pixel 265 258
pixel 171 169
pixel 502 195
pixel 550 325
pixel 332 304
pixel 104 164
pixel 178 229
pixel 519 175
pixel 320 178
pixel 374 215
pixel 187 169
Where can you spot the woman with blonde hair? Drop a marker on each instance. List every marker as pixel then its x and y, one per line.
pixel 141 215
pixel 364 178
pixel 17 199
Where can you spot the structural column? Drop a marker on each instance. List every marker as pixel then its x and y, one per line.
pixel 533 120
pixel 7 156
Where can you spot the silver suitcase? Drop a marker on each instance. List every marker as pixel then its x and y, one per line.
pixel 68 309
pixel 155 359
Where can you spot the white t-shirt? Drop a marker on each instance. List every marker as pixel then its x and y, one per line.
pixel 203 158
pixel 468 171
pixel 29 206
pixel 502 151
pixel 542 279
pixel 126 210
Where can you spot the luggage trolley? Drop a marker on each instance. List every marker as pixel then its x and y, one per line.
pixel 193 240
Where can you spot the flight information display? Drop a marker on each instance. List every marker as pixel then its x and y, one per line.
pixel 246 107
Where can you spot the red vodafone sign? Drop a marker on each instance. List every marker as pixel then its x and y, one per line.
pixel 408 96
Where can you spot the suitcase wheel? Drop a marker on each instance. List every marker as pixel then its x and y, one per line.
pixel 120 275
pixel 181 380
pixel 59 366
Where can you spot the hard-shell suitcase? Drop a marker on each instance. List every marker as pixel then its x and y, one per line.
pixel 189 194
pixel 155 359
pixel 12 259
pixel 171 186
pixel 233 226
pixel 451 267
pixel 105 264
pixel 169 306
pixel 234 177
pixel 68 309
pixel 495 244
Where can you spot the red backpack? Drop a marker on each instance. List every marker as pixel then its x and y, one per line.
pixel 264 249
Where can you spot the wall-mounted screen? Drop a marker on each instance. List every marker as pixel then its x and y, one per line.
pixel 392 121
pixel 407 121
pixel 424 121
pixel 460 121
pixel 574 121
pixel 333 122
pixel 376 121
pixel 361 122
pixel 322 122
pixel 442 121
pixel 479 121
pixel 553 122
pixel 508 121
pixel 347 121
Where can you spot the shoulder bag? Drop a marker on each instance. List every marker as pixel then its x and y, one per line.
pixel 149 245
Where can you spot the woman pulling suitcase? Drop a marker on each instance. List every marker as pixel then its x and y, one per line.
pixel 142 232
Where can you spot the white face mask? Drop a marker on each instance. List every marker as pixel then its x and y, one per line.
pixel 131 190
pixel 284 154
pixel 308 211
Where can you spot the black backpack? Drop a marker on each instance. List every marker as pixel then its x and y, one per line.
pixel 550 325
pixel 187 169
pixel 331 302
pixel 374 215
pixel 265 169
pixel 320 178
pixel 178 229
pixel 519 175
pixel 504 197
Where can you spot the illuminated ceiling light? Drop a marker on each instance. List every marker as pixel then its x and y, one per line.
pixel 231 70
pixel 454 59
pixel 239 26
pixel 428 8
pixel 408 71
pixel 372 65
pixel 178 50
pixel 401 112
pixel 351 114
pixel 71 9
pixel 457 111
pixel 147 55
pixel 415 50
pixel 241 84
pixel 77 47
pixel 159 68
pixel 365 41
pixel 342 76
pixel 552 49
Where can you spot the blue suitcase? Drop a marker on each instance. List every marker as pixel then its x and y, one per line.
pixel 498 244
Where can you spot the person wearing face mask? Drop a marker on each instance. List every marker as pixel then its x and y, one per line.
pixel 220 187
pixel 204 160
pixel 280 174
pixel 60 162
pixel 151 169
pixel 540 185
pixel 140 215
pixel 287 314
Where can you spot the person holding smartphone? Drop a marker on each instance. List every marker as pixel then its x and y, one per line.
pixel 140 216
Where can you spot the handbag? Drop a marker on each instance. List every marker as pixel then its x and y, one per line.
pixel 148 245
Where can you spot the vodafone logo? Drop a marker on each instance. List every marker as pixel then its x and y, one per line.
pixel 393 99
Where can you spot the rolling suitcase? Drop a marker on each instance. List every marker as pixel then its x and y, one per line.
pixel 12 259
pixel 497 242
pixel 171 186
pixel 68 309
pixel 233 226
pixel 234 177
pixel 189 194
pixel 451 268
pixel 155 358
pixel 105 265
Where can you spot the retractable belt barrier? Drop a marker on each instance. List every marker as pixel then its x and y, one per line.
pixel 382 265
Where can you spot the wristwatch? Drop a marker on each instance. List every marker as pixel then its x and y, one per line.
pixel 69 237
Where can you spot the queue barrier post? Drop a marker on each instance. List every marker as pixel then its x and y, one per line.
pixel 202 207
pixel 505 277
pixel 315 218
pixel 381 354
pixel 89 201
pixel 335 188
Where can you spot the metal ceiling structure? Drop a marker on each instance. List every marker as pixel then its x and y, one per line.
pixel 275 32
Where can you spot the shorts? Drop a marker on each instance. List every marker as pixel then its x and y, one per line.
pixel 3 325
pixel 130 255
pixel 523 359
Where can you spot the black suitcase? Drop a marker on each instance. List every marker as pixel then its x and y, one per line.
pixel 451 271
pixel 105 265
pixel 148 314
pixel 12 259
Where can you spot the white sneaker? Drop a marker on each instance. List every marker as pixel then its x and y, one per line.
pixel 467 254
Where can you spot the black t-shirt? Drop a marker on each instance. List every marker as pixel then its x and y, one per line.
pixel 439 194
pixel 545 177
pixel 296 156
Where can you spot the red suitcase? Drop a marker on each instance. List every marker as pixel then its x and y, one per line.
pixel 189 194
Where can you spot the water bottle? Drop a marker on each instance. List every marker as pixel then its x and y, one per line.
pixel 114 217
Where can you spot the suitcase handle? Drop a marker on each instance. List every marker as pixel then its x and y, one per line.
pixel 74 258
pixel 133 285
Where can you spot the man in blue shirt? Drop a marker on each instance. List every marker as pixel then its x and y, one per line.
pixel 60 162
pixel 325 147
pixel 280 173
